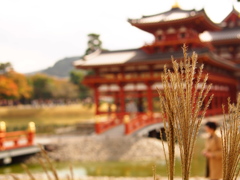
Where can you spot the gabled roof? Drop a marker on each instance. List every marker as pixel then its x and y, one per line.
pixel 234 14
pixel 174 14
pixel 198 19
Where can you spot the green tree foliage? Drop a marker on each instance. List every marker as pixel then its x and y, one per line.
pixel 76 78
pixel 42 86
pixel 94 43
pixel 46 87
pixel 65 90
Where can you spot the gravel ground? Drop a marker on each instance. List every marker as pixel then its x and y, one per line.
pixel 95 148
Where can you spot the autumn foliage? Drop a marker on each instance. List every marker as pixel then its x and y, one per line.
pixel 24 88
pixel 8 88
pixel 19 88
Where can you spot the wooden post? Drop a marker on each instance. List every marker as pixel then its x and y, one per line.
pixel 31 132
pixel 149 97
pixel 126 120
pixel 97 125
pixel 2 134
pixel 122 98
pixel 96 99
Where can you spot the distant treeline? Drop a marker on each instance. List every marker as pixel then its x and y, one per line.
pixel 17 88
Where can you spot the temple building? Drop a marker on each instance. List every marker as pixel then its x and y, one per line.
pixel 135 74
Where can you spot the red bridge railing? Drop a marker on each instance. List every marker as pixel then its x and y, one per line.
pixel 16 139
pixel 131 123
pixel 135 122
pixel 112 121
pixel 140 121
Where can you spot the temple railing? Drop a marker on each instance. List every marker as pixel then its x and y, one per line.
pixel 16 139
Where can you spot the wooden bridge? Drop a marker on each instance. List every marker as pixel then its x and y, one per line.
pixel 135 122
pixel 16 143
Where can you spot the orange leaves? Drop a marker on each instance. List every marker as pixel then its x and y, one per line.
pixel 14 86
pixel 8 88
pixel 24 89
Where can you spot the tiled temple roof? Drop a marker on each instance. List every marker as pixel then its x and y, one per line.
pixel 225 34
pixel 174 14
pixel 133 56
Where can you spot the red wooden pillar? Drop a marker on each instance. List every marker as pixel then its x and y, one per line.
pixel 122 98
pixel 96 99
pixel 116 102
pixel 149 97
pixel 2 134
pixel 233 93
pixel 31 132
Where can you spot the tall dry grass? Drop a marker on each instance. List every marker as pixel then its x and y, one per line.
pixel 49 170
pixel 182 105
pixel 230 132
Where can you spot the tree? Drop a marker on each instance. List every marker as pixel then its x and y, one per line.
pixel 42 86
pixel 64 90
pixel 94 43
pixel 76 78
pixel 47 87
pixel 8 88
pixel 5 67
pixel 24 87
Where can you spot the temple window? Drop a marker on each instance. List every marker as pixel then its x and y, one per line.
pixel 182 35
pixel 171 31
pixel 231 24
pixel 159 37
pixel 182 32
pixel 144 74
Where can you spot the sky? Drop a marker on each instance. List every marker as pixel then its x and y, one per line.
pixel 35 34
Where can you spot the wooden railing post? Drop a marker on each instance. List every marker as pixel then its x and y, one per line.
pixel 97 125
pixel 2 134
pixel 31 132
pixel 126 120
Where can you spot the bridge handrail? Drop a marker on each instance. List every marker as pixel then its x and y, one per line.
pixel 140 121
pixel 112 121
pixel 26 137
pixel 15 133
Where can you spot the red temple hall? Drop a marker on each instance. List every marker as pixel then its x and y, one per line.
pixel 132 75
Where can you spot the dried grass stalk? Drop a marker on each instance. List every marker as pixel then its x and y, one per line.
pixel 14 177
pixel 230 132
pixel 28 172
pixel 51 166
pixel 47 166
pixel 41 162
pixel 183 108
